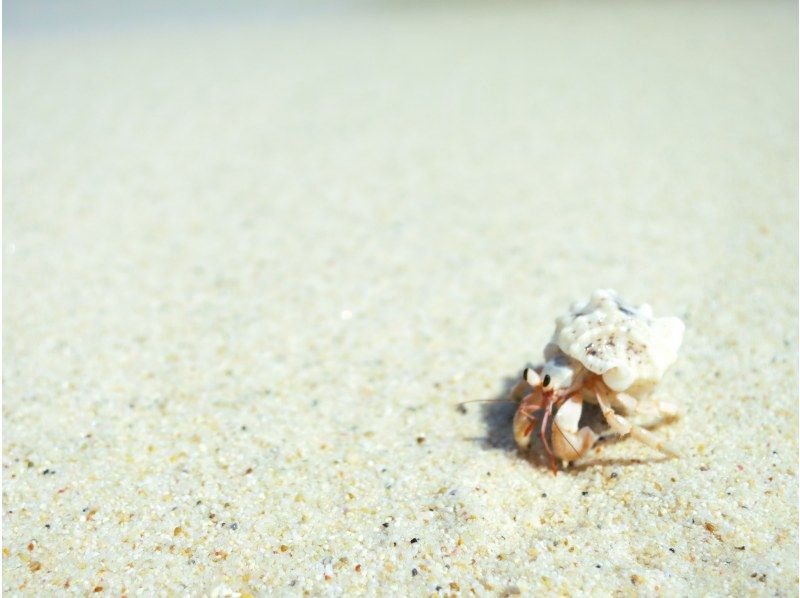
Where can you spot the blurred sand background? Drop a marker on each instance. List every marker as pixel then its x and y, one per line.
pixel 253 258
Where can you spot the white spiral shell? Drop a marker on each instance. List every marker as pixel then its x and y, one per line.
pixel 624 344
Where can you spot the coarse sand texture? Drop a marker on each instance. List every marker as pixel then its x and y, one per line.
pixel 254 260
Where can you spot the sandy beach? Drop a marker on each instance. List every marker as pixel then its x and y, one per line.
pixel 253 262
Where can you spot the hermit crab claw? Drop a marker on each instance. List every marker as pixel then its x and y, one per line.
pixel 569 443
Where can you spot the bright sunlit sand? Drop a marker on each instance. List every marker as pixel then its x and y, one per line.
pixel 251 265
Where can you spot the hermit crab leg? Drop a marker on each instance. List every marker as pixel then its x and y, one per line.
pixel 648 407
pixel 666 409
pixel 622 426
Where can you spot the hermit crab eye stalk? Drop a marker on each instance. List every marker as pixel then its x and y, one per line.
pixel 531 377
pixel 546 381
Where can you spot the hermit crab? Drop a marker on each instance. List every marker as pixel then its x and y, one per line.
pixel 604 351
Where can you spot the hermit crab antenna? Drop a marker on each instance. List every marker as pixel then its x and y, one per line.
pixel 531 377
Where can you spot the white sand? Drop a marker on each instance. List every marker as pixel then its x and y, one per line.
pixel 251 266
